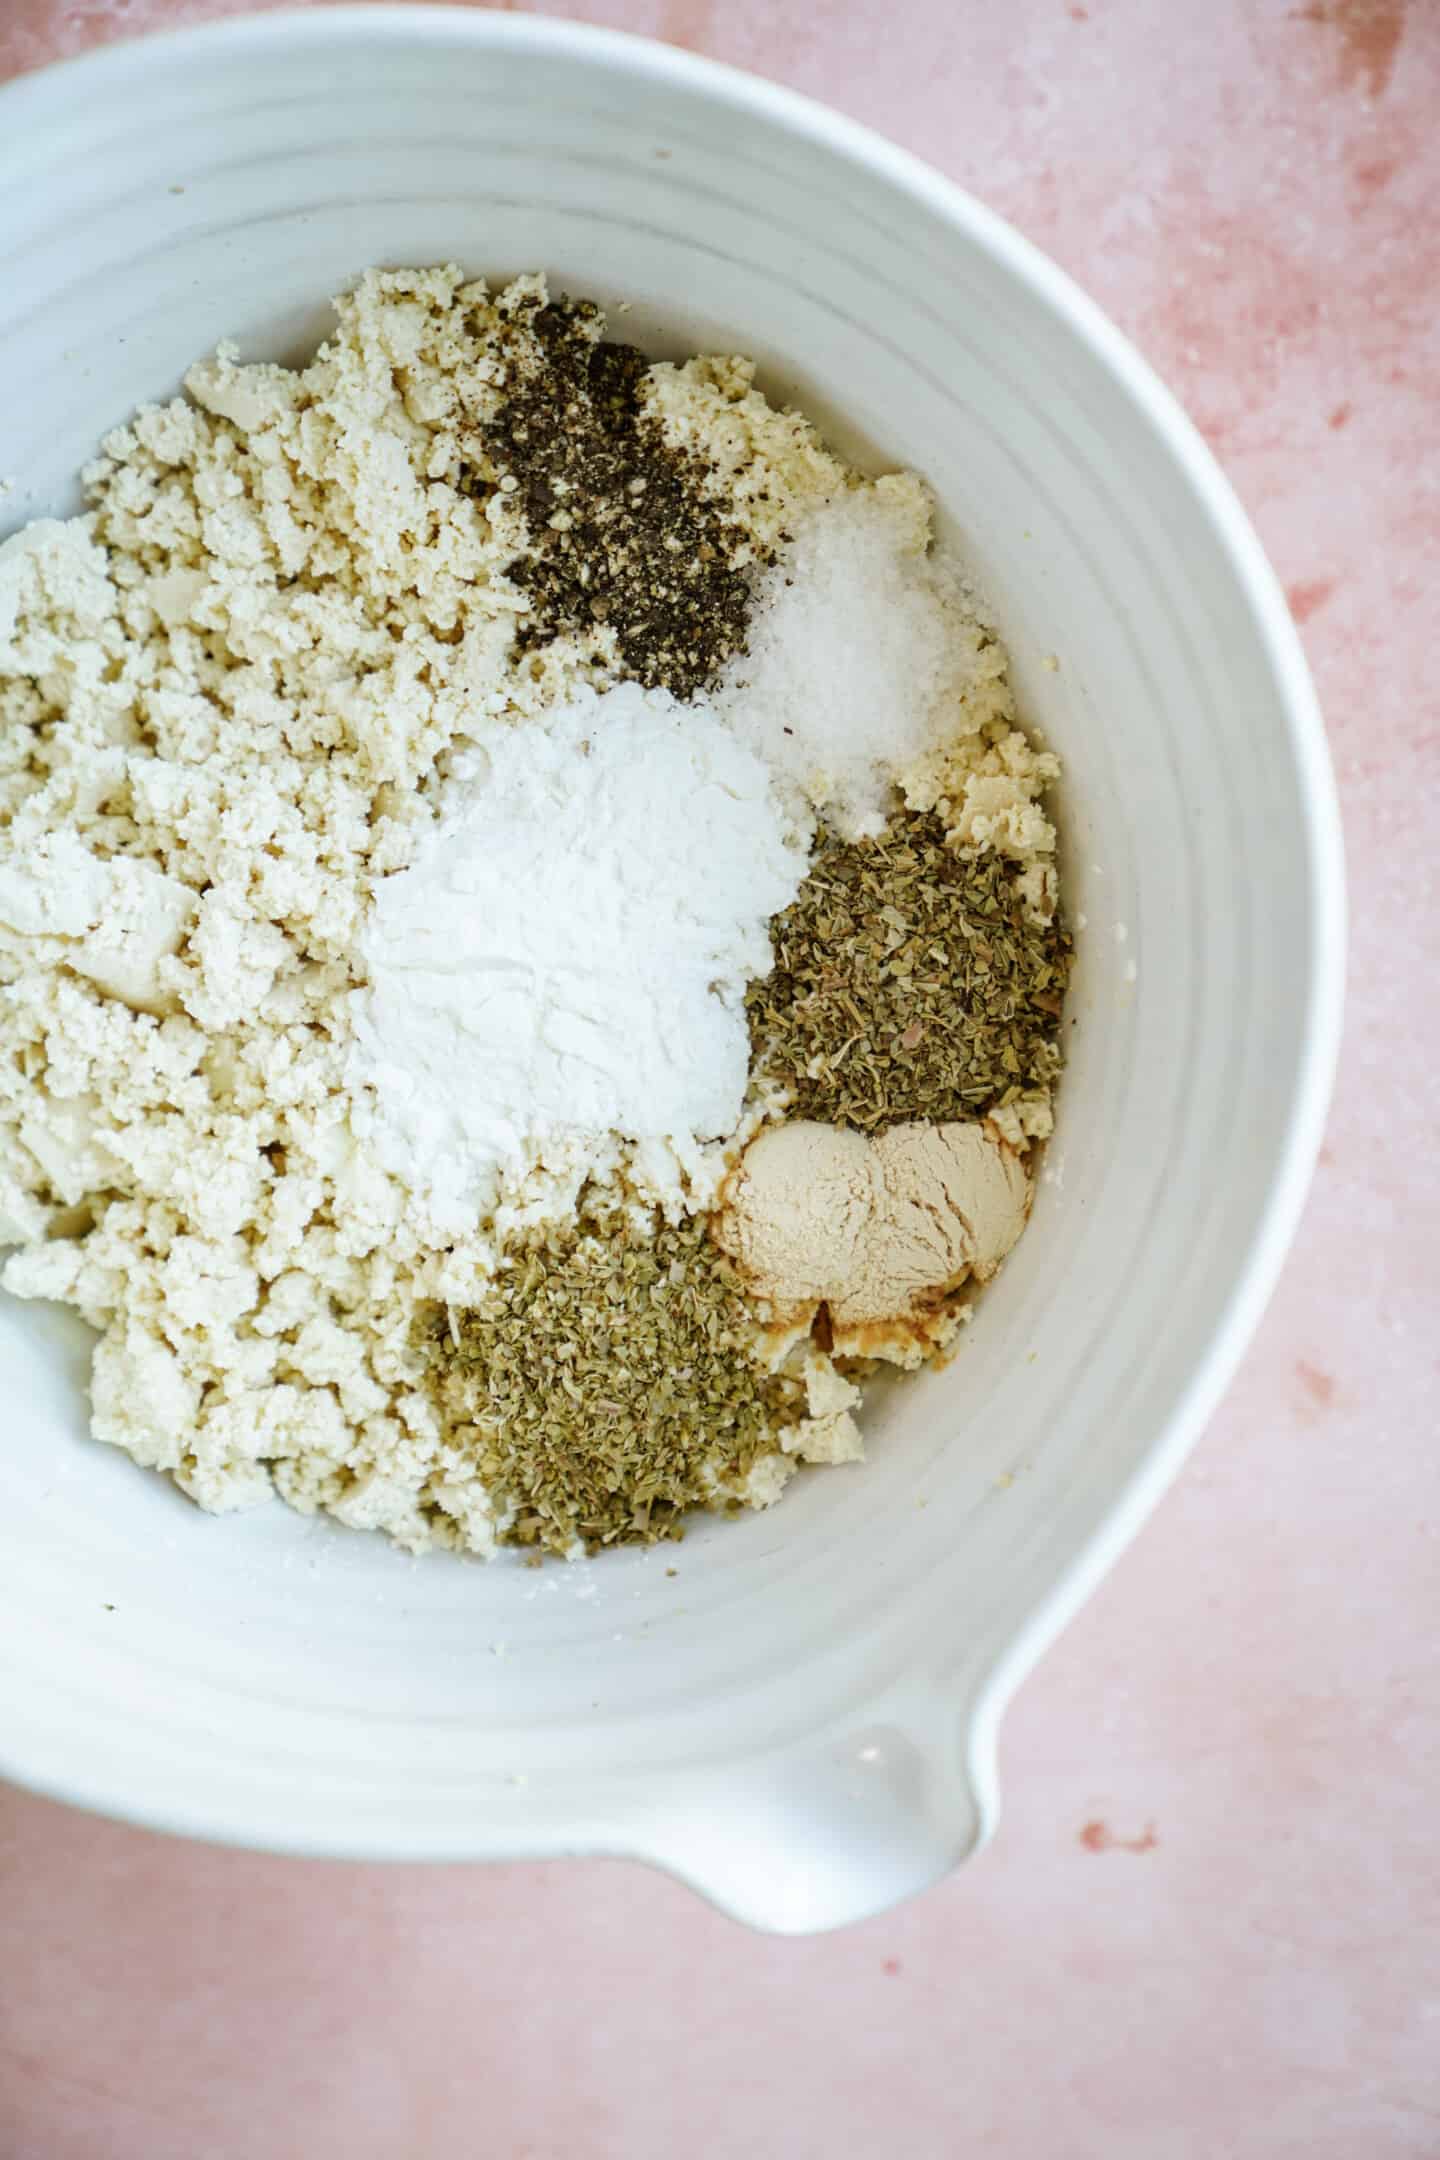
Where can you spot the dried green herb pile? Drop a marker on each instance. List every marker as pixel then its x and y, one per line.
pixel 607 1384
pixel 622 530
pixel 909 982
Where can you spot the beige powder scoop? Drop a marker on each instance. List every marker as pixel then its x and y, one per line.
pixel 878 1230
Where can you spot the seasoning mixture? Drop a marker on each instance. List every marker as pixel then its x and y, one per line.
pixel 529 937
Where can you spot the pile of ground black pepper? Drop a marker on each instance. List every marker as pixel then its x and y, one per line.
pixel 608 1383
pixel 910 981
pixel 622 532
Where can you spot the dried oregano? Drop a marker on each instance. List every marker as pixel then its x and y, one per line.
pixel 607 1383
pixel 910 981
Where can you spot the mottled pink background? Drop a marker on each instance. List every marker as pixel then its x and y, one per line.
pixel 1209 1928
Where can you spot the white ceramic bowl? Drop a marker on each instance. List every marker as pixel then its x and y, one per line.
pixel 800 1720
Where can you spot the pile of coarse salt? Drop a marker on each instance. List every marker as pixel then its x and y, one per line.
pixel 859 652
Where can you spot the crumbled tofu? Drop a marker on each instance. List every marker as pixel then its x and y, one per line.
pixel 230 692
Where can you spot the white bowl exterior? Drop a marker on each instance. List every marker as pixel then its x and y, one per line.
pixel 800 1718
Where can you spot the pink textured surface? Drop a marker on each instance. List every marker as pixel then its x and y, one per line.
pixel 1208 1923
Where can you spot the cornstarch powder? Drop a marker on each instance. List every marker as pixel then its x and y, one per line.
pixel 568 955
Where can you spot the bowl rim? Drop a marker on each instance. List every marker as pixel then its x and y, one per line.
pixel 27 100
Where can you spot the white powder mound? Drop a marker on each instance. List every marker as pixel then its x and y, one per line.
pixel 860 651
pixel 567 957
